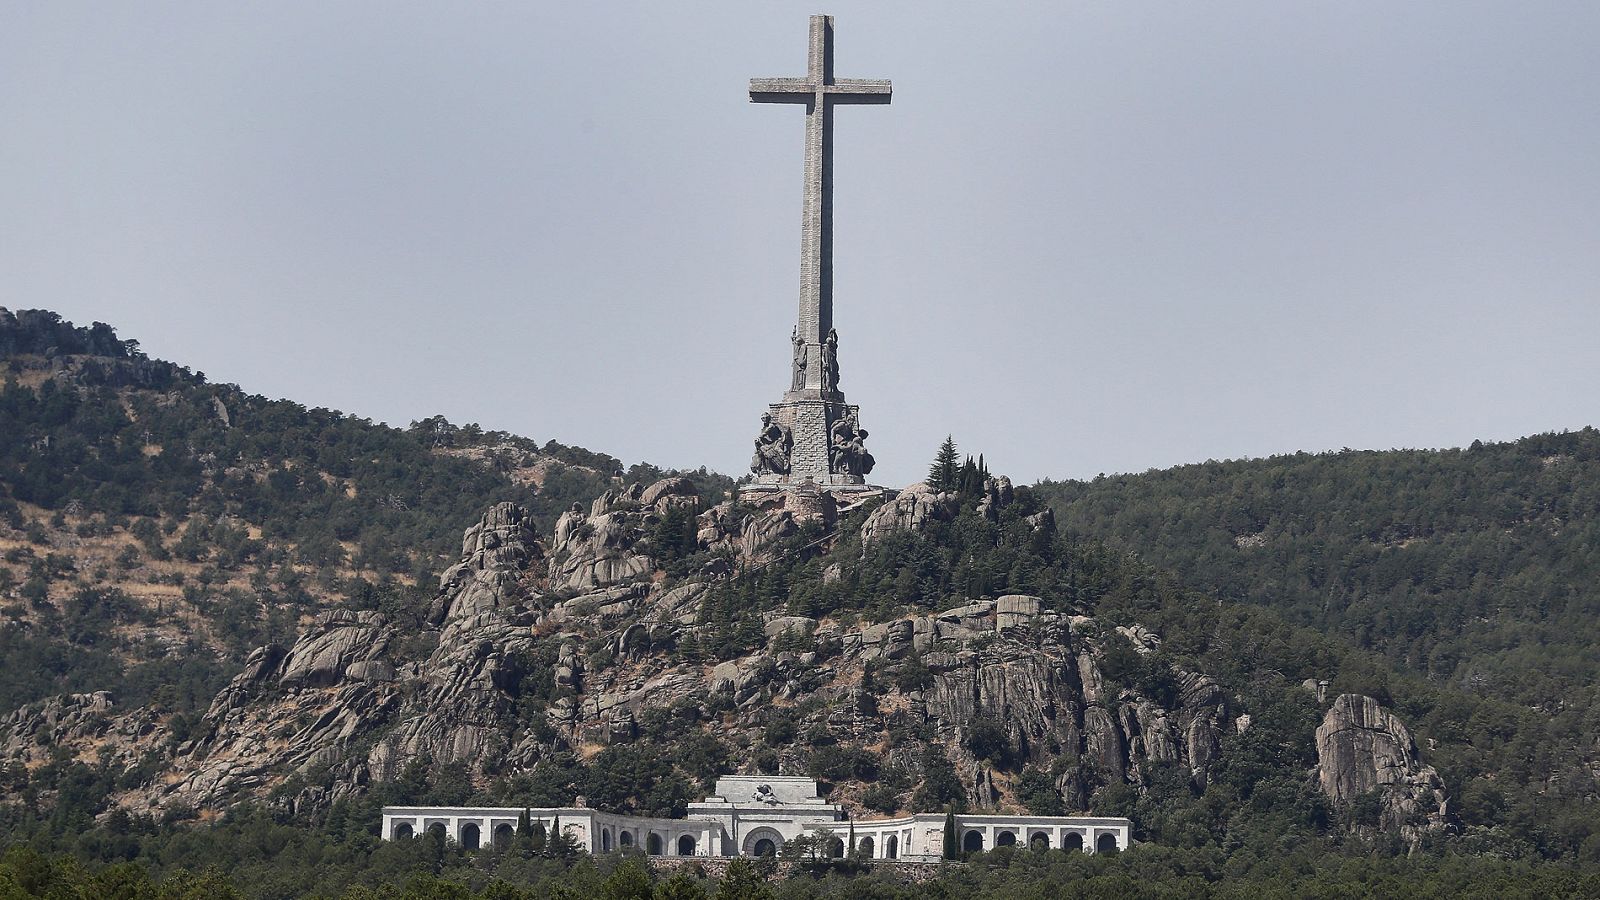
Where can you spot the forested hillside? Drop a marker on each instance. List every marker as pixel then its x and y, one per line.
pixel 1183 635
pixel 155 527
pixel 1478 568
pixel 1472 576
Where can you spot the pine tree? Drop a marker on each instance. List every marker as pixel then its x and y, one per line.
pixel 952 849
pixel 743 882
pixel 946 467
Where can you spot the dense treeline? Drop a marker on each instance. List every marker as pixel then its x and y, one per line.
pixel 1477 567
pixel 1468 580
pixel 43 333
pixel 250 855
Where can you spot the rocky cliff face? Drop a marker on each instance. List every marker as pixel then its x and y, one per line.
pixel 994 686
pixel 1364 752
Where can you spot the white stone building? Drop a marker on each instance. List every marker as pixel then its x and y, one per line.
pixel 754 815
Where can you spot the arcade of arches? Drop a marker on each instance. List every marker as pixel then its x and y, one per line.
pixel 756 816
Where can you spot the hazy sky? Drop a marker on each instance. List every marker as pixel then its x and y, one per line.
pixel 1086 237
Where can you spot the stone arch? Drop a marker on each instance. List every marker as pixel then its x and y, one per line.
pixel 891 847
pixel 685 845
pixel 1105 843
pixel 763 842
pixel 403 831
pixel 865 847
pixel 625 839
pixel 438 830
pixel 605 840
pixel 1039 841
pixel 504 834
pixel 972 842
pixel 471 836
pixel 1005 839
pixel 652 844
pixel 1073 841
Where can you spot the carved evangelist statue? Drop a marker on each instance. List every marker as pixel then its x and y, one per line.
pixel 772 448
pixel 847 450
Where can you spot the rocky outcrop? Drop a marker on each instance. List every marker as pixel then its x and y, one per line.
pixel 90 725
pixel 1045 690
pixel 669 493
pixel 1364 750
pixel 337 641
pixel 753 535
pixel 993 685
pixel 997 495
pixel 494 553
pixel 911 510
pixel 602 547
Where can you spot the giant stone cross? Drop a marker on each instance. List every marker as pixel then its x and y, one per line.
pixel 813 434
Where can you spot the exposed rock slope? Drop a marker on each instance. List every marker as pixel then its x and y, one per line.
pixel 1365 750
pixel 994 687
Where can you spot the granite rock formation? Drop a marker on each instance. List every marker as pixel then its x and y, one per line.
pixel 992 685
pixel 911 510
pixel 1365 750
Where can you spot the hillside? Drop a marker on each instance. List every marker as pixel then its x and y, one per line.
pixel 155 528
pixel 1471 574
pixel 1235 655
pixel 1478 568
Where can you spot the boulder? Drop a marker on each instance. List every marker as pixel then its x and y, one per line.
pixel 1364 749
pixel 601 548
pixel 336 640
pixel 776 628
pixel 911 510
pixel 1013 610
pixel 668 493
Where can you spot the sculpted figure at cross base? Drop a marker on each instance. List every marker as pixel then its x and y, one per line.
pixel 830 362
pixel 847 448
pixel 799 381
pixel 772 448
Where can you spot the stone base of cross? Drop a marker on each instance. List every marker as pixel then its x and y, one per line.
pixel 826 445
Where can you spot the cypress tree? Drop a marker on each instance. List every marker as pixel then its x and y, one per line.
pixel 952 849
pixel 946 467
pixel 524 826
pixel 969 481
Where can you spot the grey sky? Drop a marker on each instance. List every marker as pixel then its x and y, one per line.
pixel 1084 237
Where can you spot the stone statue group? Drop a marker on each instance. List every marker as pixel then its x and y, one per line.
pixel 830 361
pixel 847 447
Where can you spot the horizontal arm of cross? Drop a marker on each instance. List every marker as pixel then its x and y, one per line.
pixel 801 90
pixel 859 90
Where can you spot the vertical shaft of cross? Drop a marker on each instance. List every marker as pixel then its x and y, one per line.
pixel 816 222
pixel 819 91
